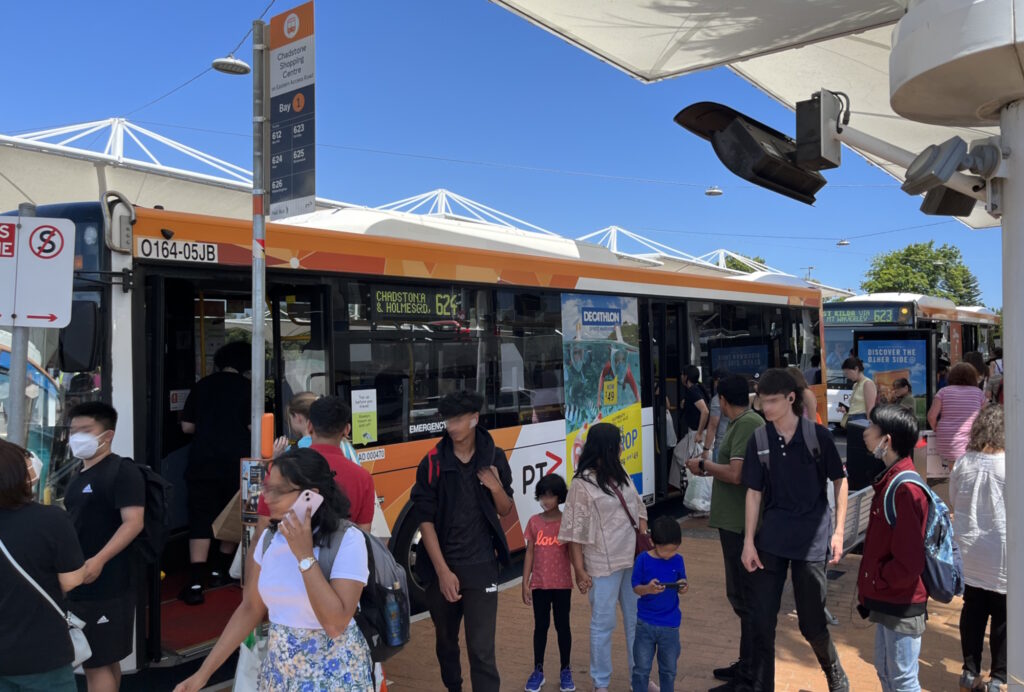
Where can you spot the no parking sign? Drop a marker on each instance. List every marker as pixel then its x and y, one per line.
pixel 37 262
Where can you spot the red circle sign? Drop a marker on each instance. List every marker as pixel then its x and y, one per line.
pixel 46 242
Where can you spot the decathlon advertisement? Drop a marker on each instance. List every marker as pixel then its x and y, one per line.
pixel 601 338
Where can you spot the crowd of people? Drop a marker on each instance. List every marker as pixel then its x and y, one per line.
pixel 770 469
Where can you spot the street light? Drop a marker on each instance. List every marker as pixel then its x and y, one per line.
pixel 843 243
pixel 231 65
pixel 713 191
pixel 260 145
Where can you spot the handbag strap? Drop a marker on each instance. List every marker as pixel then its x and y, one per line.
pixel 30 580
pixel 628 513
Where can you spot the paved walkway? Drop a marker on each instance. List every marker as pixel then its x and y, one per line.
pixel 710 636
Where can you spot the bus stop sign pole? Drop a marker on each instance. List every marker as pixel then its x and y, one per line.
pixel 17 430
pixel 260 148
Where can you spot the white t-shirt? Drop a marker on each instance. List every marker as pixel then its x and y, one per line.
pixel 281 586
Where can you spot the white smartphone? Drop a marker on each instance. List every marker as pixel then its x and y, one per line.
pixel 308 499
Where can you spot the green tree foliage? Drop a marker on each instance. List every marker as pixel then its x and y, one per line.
pixel 733 263
pixel 923 268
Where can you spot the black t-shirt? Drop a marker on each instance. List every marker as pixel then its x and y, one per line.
pixel 797 522
pixel 468 541
pixel 219 405
pixel 691 414
pixel 34 637
pixel 94 499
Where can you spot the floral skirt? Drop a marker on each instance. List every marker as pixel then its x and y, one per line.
pixel 301 660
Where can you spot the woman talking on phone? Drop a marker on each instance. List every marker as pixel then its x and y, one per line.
pixel 314 641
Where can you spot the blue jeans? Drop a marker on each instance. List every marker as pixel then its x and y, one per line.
pixel 896 660
pixel 648 639
pixel 617 587
pixel 57 680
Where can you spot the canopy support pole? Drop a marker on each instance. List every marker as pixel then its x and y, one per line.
pixel 1012 126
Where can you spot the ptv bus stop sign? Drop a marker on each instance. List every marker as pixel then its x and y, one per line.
pixel 37 257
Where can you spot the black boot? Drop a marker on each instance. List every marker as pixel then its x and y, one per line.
pixel 836 677
pixel 828 658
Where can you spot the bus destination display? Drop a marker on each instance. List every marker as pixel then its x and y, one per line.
pixel 881 314
pixel 418 304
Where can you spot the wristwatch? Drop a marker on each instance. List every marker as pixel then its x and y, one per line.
pixel 306 563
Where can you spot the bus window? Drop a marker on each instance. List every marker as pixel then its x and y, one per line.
pixel 414 344
pixel 529 386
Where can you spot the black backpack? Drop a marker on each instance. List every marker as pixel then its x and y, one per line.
pixel 149 544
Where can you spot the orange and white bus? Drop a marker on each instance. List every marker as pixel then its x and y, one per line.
pixel 408 307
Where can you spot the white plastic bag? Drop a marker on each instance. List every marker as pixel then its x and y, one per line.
pixel 250 656
pixel 698 493
pixel 235 571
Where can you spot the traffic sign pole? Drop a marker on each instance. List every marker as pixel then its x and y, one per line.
pixel 17 431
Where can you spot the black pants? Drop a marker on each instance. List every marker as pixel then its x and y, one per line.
pixel 765 589
pixel 480 609
pixel 736 591
pixel 979 606
pixel 544 602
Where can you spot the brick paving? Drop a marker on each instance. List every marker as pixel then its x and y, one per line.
pixel 710 636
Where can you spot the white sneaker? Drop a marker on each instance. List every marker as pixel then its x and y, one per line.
pixel 651 687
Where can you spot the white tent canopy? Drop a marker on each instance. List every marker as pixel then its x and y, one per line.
pixel 787 49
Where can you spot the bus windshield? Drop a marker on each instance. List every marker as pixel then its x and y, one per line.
pixel 839 342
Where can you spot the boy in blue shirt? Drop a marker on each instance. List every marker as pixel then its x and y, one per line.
pixel 659 576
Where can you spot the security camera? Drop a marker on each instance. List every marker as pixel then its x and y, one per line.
pixel 934 166
pixel 752 150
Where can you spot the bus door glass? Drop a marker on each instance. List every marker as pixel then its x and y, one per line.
pixel 300 338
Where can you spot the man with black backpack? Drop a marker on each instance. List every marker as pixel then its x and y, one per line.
pixel 790 466
pixel 106 500
pixel 463 488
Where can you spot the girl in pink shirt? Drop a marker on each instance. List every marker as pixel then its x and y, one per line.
pixel 547 581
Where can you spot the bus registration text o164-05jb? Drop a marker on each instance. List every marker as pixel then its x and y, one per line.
pixel 176 250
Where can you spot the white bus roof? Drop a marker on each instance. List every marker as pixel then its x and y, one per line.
pixel 919 298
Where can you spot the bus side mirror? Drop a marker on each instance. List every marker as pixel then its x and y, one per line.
pixel 79 341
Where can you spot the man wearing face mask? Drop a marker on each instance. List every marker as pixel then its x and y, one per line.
pixel 463 488
pixel 891 591
pixel 106 500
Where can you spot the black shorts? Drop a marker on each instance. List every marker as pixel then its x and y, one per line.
pixel 207 498
pixel 109 626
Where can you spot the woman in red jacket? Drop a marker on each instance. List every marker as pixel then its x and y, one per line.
pixel 891 592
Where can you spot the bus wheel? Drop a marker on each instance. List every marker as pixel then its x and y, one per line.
pixel 405 547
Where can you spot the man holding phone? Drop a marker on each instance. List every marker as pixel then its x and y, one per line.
pixel 795 530
pixel 463 488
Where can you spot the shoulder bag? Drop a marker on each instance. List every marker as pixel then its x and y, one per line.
pixel 75 624
pixel 643 541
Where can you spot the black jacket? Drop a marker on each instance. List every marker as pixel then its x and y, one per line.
pixel 437 491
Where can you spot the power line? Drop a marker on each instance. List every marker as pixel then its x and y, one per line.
pixel 510 166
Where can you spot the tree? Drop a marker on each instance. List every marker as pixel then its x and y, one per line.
pixel 733 263
pixel 923 268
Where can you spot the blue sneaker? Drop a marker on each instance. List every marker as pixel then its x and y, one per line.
pixel 566 684
pixel 536 680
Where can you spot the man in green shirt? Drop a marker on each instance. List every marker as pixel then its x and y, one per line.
pixel 728 498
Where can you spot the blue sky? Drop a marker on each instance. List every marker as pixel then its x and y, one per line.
pixel 413 96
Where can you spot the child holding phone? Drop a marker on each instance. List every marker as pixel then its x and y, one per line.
pixel 659 576
pixel 547 581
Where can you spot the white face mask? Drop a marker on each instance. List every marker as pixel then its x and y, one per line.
pixel 84 445
pixel 880 450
